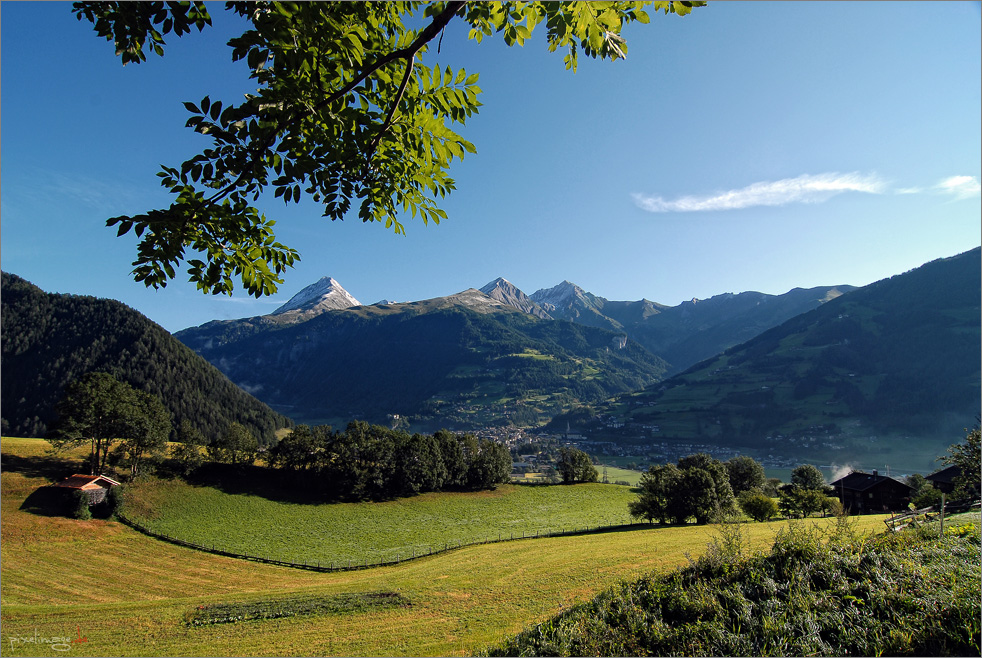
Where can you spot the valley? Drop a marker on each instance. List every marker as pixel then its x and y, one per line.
pixel 873 377
pixel 880 376
pixel 265 389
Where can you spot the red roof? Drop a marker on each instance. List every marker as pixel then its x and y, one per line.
pixel 79 481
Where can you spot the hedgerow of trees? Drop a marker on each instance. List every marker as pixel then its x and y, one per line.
pixel 371 462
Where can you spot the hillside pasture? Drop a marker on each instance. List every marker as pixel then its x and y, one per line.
pixel 128 594
pixel 355 533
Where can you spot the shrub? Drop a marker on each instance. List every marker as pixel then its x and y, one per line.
pixel 79 505
pixel 114 501
pixel 928 496
pixel 757 505
pixel 907 593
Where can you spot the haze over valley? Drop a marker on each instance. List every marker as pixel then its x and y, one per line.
pixel 830 375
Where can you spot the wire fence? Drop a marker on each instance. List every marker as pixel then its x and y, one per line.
pixel 372 563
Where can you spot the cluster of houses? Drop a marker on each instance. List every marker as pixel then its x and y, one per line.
pixel 872 493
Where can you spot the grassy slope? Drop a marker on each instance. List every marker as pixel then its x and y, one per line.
pixel 369 531
pixel 126 593
pixel 909 593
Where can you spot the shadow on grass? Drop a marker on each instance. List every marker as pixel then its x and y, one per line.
pixel 278 485
pixel 50 467
pixel 43 501
pixel 258 481
pixel 46 501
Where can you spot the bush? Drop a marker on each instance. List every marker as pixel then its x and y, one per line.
pixel 928 496
pixel 757 505
pixel 79 505
pixel 113 501
pixel 907 593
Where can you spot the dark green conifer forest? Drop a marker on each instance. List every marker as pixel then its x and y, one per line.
pixel 50 340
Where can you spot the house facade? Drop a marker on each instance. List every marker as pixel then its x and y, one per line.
pixel 871 493
pixel 944 480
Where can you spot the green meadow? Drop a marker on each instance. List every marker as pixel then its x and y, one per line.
pixel 125 593
pixel 353 533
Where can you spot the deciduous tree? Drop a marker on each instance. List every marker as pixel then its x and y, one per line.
pixel 575 466
pixel 489 466
pixel 150 431
pixel 345 112
pixel 967 455
pixel 99 410
pixel 757 505
pixel 808 476
pixel 187 450
pixel 698 487
pixel 745 474
pixel 237 446
pixel 657 486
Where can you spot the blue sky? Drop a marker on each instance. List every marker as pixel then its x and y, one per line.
pixel 747 146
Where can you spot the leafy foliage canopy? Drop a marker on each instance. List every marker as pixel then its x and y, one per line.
pixel 345 110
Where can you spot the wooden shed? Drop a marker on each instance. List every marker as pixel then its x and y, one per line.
pixel 870 493
pixel 96 486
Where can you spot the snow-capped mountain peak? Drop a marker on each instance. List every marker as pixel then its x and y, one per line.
pixel 324 295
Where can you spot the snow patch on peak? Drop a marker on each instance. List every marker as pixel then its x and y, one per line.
pixel 324 295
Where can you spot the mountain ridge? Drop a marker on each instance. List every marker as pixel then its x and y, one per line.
pixel 888 371
pixel 466 359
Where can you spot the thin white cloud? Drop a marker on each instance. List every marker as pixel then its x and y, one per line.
pixel 961 187
pixel 803 189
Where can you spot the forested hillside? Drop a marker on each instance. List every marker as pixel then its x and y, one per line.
pixel 50 339
pixel 464 360
pixel 899 358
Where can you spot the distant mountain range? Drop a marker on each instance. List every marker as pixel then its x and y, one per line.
pixel 494 355
pixel 890 372
pixel 680 335
pixel 49 340
pixel 465 360
pixel 690 332
pixel 824 368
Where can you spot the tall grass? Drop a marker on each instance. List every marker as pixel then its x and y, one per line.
pixel 910 593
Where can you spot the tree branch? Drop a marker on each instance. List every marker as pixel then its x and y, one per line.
pixel 408 53
pixel 392 110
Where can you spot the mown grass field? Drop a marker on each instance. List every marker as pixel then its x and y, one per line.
pixel 127 594
pixel 375 532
